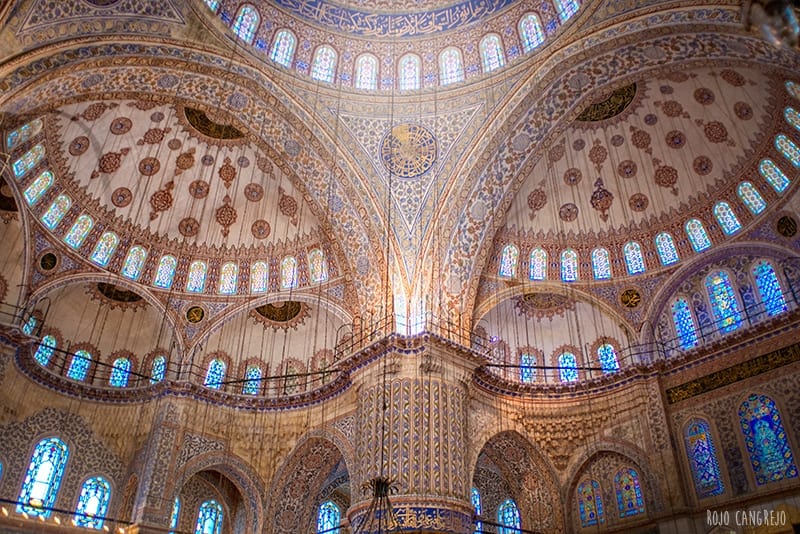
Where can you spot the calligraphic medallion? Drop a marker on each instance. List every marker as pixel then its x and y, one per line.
pixel 408 150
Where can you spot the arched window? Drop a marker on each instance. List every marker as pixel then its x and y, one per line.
pixel 93 503
pixel 209 520
pixel 698 236
pixel 726 218
pixel 590 503
pixel 80 229
pixel 104 249
pixel 120 372
pixel 769 288
pixel 667 252
pixel 723 301
pixel 228 277
pixel 771 173
pixel 288 272
pixel 751 197
pixel 789 150
pixel 508 516
pixel 215 374
pixel 79 365
pixel 793 89
pixel 23 133
pixel 607 355
pixel 28 161
pixel 367 72
pixel 527 367
pixel 508 261
pixel 703 459
pixel 45 350
pixel 409 72
pixel 165 272
pixel 601 266
pixel 323 67
pixel 328 518
pixel 569 265
pixel 35 191
pixel 792 117
pixel 259 277
pixel 317 266
pixel 451 68
pixel 43 477
pixel 196 281
pixel 492 56
pixel 176 514
pixel 767 445
pixel 634 260
pixel 566 8
pixel 283 48
pixel 158 370
pixel 213 5
pixel 567 367
pixel 29 325
pixel 252 380
pixel 246 23
pixel 56 211
pixel 629 494
pixel 475 497
pixel 530 29
pixel 538 264
pixel 684 324
pixel 134 262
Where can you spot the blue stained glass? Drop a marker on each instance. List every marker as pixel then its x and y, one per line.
pixel 196 280
pixel 176 514
pixel 751 197
pixel 246 23
pixel 566 8
pixel 771 173
pixel 601 266
pixel 367 72
pixel 789 150
pixel 158 369
pixel 590 503
pixel 252 381
pixel 531 32
pixel 527 367
pixel 259 277
pixel 29 325
pixel 475 497
pixel 28 161
pixel 104 249
pixel 629 494
pixel 726 218
pixel 569 265
pixel 538 264
pixel 723 301
pixel 317 266
pixel 769 289
pixel 451 68
pixel 698 236
pixel 684 324
pixel 215 374
pixel 288 272
pixel 56 211
pixel 165 272
pixel 120 373
pixel 45 350
pixel 23 133
pixel 93 503
pixel 134 262
pixel 567 367
pixel 409 70
pixel 79 365
pixel 508 261
pixel 323 67
pixel 228 276
pixel 793 89
pixel 328 518
pixel 492 55
pixel 80 229
pixel 634 260
pixel 213 5
pixel 608 358
pixel 283 48
pixel 508 516
pixel 43 477
pixel 38 187
pixel 792 117
pixel 770 452
pixel 667 252
pixel 209 519
pixel 703 459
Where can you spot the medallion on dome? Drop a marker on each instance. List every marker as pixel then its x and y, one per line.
pixel 408 150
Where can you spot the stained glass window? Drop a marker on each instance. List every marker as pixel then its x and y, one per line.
pixel 726 218
pixel 134 262
pixel 252 380
pixel 569 265
pixel 508 261
pixel 751 197
pixel 246 23
pixel 409 72
pixel 789 150
pixel 328 518
pixel 56 211
pixel 79 365
pixel 531 31
pixel 634 260
pixel 228 277
pixel 703 459
pixel 158 369
pixel 629 494
pixel 176 514
pixel 209 520
pixel 105 248
pixel 566 8
pixel 792 117
pixel 567 367
pixel 93 503
pixel 793 89
pixel 769 288
pixel 324 64
pixel 80 229
pixel 367 72
pixel 767 445
pixel 165 272
pixel 30 324
pixel 538 264
pixel 684 324
pixel 259 277
pixel 527 367
pixel 667 252
pixel 508 516
pixel 213 5
pixel 215 374
pixel 45 350
pixel 723 301
pixel 196 281
pixel 590 503
pixel 283 48
pixel 288 272
pixel 120 372
pixel 451 68
pixel 771 173
pixel 28 161
pixel 35 191
pixel 601 267
pixel 698 236
pixel 607 355
pixel 317 266
pixel 492 55
pixel 23 133
pixel 475 497
pixel 43 477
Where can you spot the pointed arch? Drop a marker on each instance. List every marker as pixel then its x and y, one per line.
pixel 366 77
pixel 43 477
pixel 246 23
pixel 409 72
pixel 283 47
pixel 530 31
pixel 702 456
pixel 93 503
pixel 491 50
pixel 451 66
pixel 323 66
pixel 767 445
pixel 508 261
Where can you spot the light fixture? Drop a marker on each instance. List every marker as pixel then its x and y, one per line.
pixel 775 20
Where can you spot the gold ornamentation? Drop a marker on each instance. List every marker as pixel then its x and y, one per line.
pixel 408 150
pixel 610 106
